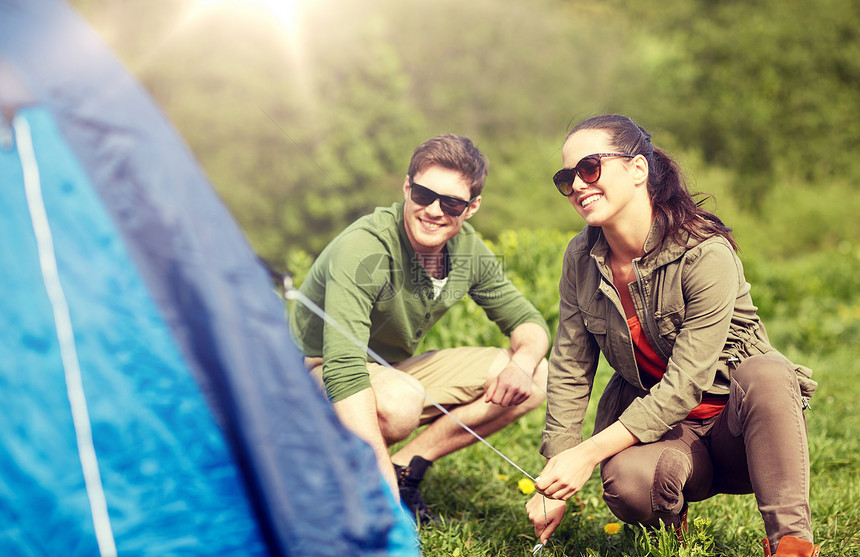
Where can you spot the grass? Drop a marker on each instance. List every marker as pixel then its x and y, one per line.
pixel 811 306
pixel 476 491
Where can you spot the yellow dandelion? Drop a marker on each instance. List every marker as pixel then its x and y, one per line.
pixel 502 477
pixel 612 528
pixel 526 486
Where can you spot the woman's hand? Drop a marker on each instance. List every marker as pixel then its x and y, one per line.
pixel 566 473
pixel 545 514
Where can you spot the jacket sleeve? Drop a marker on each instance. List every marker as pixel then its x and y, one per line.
pixel 572 365
pixel 355 274
pixel 711 280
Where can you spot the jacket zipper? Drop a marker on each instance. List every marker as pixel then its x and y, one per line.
pixel 649 317
pixel 620 309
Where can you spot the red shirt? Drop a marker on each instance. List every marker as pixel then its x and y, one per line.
pixel 653 365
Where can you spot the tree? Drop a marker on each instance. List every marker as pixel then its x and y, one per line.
pixel 769 88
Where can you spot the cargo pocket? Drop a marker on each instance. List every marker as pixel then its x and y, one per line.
pixel 668 324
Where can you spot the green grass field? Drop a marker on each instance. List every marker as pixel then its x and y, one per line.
pixel 476 491
pixel 810 305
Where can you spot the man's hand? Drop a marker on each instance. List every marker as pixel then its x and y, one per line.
pixel 511 387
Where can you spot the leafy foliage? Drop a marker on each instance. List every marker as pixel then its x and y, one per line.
pixel 302 133
pixel 768 89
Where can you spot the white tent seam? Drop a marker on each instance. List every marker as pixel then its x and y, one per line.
pixel 66 338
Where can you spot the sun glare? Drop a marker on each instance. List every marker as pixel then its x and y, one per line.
pixel 283 12
pixel 284 16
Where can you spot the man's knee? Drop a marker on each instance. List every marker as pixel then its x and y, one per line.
pixel 399 403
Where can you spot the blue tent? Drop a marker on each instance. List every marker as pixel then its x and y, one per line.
pixel 152 402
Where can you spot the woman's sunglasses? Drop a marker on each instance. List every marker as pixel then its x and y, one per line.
pixel 451 206
pixel 588 169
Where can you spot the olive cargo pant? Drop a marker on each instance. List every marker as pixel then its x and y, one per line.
pixel 757 444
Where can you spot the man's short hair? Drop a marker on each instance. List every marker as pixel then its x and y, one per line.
pixel 454 152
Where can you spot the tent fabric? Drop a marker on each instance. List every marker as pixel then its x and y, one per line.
pixel 208 435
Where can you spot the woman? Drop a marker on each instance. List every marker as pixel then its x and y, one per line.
pixel 699 403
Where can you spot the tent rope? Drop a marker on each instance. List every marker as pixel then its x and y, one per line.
pixel 294 294
pixel 66 339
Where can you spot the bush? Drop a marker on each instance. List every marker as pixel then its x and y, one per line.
pixel 809 304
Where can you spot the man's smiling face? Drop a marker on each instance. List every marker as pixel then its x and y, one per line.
pixel 428 227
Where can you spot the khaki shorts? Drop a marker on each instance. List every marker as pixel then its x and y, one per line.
pixel 450 377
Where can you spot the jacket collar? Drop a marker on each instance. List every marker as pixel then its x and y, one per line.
pixel 657 253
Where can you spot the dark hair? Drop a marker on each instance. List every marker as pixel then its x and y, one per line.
pixel 675 209
pixel 454 152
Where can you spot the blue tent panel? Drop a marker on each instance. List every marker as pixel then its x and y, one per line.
pixel 209 436
pixel 149 419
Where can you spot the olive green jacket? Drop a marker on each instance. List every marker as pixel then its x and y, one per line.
pixel 695 309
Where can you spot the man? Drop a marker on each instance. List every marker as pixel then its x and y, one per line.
pixel 387 279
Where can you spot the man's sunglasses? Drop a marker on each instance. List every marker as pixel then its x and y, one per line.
pixel 451 206
pixel 588 169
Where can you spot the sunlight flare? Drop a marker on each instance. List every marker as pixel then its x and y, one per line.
pixel 283 12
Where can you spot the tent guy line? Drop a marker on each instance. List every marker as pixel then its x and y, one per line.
pixel 291 293
pixel 66 339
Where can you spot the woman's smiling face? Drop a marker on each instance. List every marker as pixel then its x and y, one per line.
pixel 609 198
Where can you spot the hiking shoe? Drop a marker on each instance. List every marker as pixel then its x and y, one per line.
pixel 408 478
